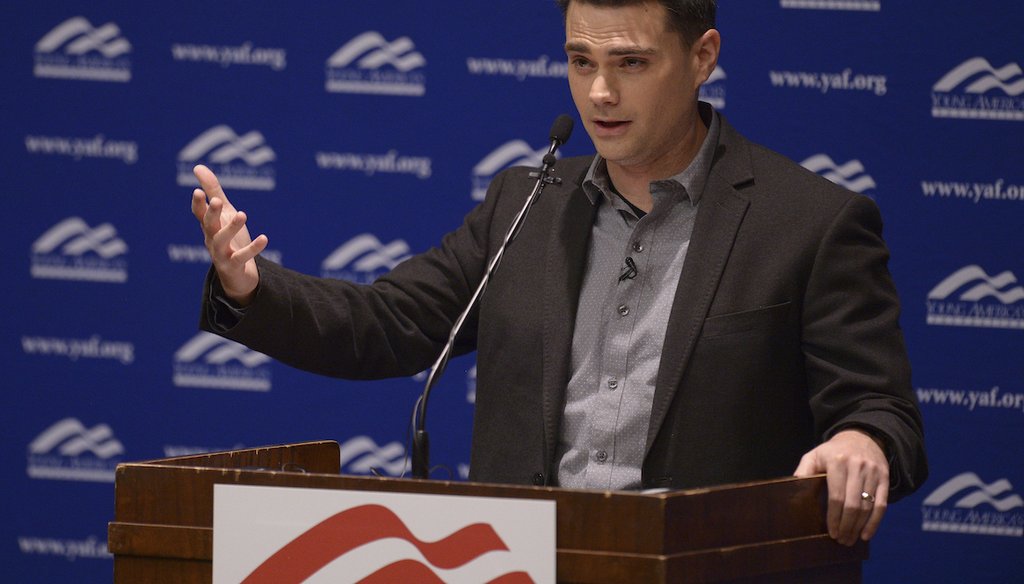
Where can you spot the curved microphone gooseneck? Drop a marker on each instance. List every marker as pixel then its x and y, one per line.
pixel 560 131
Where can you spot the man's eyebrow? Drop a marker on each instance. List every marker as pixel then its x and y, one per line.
pixel 631 50
pixel 578 47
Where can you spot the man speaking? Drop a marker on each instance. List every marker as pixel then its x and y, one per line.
pixel 686 308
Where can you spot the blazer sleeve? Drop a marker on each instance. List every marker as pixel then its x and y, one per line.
pixel 858 372
pixel 393 327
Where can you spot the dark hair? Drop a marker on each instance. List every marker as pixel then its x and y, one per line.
pixel 690 18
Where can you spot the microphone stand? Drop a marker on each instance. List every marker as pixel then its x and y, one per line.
pixel 421 440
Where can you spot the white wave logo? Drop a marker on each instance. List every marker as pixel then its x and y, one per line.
pixel 713 90
pixel 509 154
pixel 966 92
pixel 850 175
pixel 85 253
pixel 364 258
pixel 209 361
pixel 969 307
pixel 220 144
pixel 991 78
pixel 377 52
pixel 471 385
pixel 240 162
pixel 361 455
pixel 852 5
pixel 79 37
pixel 78 238
pixel 989 286
pixel 89 53
pixel 958 506
pixel 370 64
pixel 68 450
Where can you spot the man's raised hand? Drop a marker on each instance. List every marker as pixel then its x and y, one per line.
pixel 227 238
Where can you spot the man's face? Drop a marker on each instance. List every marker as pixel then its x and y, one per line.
pixel 634 81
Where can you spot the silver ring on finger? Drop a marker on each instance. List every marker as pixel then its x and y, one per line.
pixel 868 497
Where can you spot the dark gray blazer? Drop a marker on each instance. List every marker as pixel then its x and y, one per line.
pixel 784 328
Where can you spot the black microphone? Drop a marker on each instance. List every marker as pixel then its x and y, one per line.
pixel 560 132
pixel 630 271
pixel 561 129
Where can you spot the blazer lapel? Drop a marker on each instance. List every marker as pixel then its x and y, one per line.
pixel 719 218
pixel 571 222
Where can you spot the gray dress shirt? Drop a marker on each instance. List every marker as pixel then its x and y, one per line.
pixel 621 322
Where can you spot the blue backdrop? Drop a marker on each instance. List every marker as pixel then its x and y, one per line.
pixel 355 134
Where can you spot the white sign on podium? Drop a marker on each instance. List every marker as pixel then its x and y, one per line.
pixel 274 535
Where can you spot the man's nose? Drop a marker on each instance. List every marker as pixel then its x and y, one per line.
pixel 602 91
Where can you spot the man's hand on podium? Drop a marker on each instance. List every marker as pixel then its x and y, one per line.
pixel 227 238
pixel 857 474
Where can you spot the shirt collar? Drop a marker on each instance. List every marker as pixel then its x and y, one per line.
pixel 688 184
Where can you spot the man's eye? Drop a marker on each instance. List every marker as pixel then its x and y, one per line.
pixel 633 63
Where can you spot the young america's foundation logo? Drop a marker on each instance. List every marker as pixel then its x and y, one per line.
pixel 370 64
pixel 212 362
pixel 240 162
pixel 966 504
pixel 361 455
pixel 713 90
pixel 75 49
pixel 975 90
pixel 970 297
pixel 69 451
pixel 857 5
pixel 850 175
pixel 509 154
pixel 71 250
pixel 363 259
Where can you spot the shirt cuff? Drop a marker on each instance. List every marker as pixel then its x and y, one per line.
pixel 225 313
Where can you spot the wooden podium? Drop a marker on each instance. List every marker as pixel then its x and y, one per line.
pixel 772 531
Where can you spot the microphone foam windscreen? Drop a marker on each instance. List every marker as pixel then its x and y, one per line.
pixel 561 129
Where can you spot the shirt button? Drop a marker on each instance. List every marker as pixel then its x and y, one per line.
pixel 638 247
pixel 613 383
pixel 601 456
pixel 623 310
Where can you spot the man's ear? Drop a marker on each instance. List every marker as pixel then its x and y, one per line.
pixel 705 54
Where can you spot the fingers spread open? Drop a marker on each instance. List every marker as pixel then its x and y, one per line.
pixel 222 238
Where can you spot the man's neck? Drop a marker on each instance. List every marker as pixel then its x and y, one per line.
pixel 633 182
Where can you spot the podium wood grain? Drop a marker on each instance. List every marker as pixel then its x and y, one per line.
pixel 771 531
